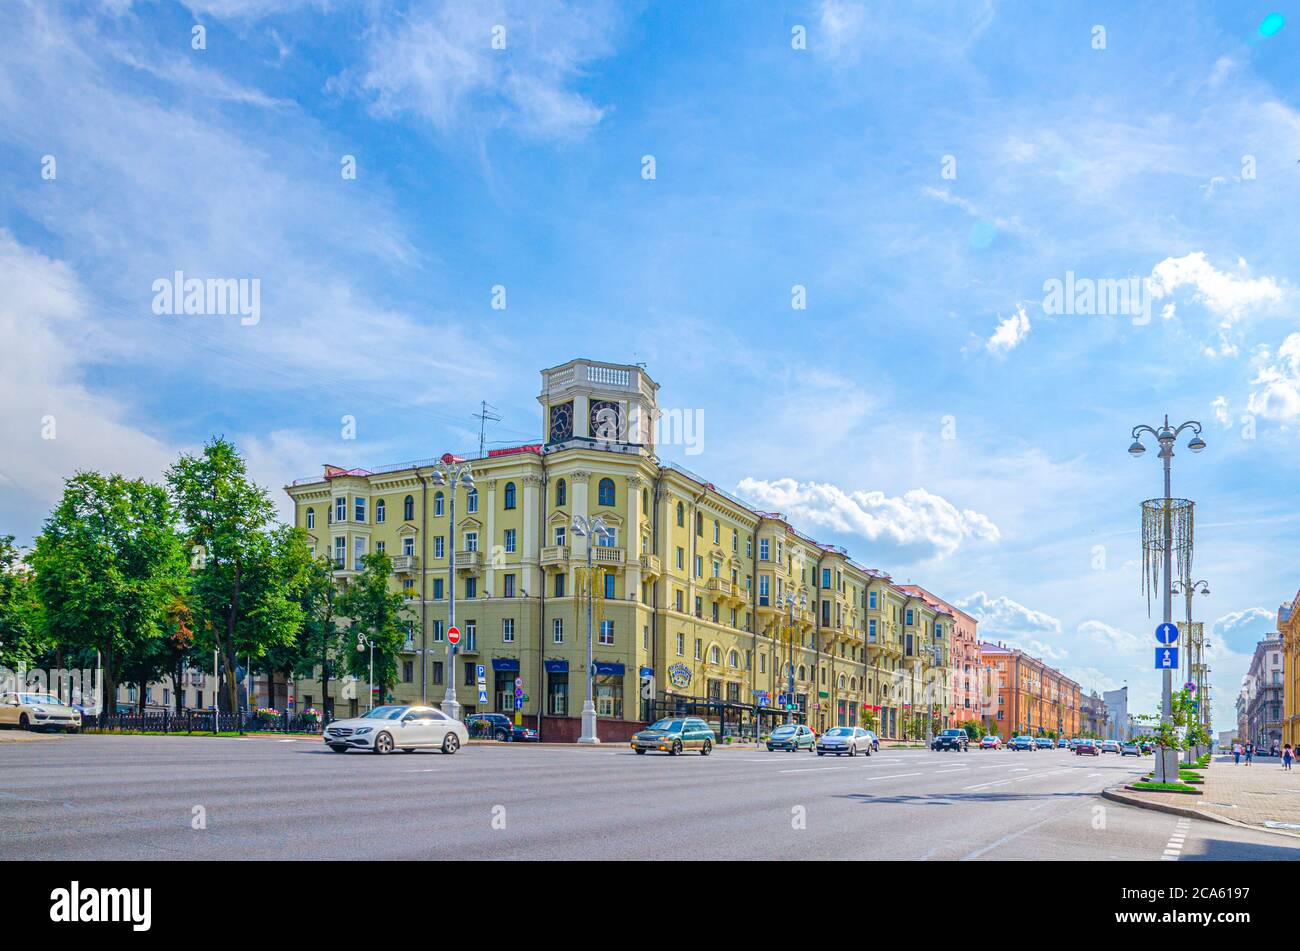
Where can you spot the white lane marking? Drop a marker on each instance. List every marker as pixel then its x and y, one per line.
pixel 898 775
pixel 813 769
pixel 1001 782
pixel 1174 847
pixel 962 769
pixel 1006 838
pixel 1020 769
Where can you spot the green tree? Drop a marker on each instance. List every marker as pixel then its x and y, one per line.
pixel 248 571
pixel 319 638
pixel 380 614
pixel 108 563
pixel 22 628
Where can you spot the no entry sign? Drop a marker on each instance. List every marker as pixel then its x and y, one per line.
pixel 453 636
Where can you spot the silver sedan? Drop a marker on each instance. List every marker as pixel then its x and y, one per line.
pixel 844 739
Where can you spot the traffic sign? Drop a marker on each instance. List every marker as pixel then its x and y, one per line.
pixel 519 693
pixel 1167 634
pixel 482 696
pixel 519 703
pixel 519 681
pixel 1190 686
pixel 1166 658
pixel 480 672
pixel 453 636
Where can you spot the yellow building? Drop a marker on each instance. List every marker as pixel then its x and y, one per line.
pixel 702 604
pixel 1288 628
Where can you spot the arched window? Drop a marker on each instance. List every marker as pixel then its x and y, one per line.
pixel 681 515
pixel 472 500
pixel 381 512
pixel 733 659
pixel 802 672
pixel 841 681
pixel 408 508
pixel 605 493
pixel 715 654
pixel 439 504
pixel 311 518
pixel 561 493
pixel 510 495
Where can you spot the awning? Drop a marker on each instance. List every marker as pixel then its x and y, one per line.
pixel 505 663
pixel 605 669
pixel 557 666
pixel 647 671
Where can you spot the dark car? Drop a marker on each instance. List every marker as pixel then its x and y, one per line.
pixel 1086 748
pixel 498 726
pixel 1022 743
pixel 792 737
pixel 951 740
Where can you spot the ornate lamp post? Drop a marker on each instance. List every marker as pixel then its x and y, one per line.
pixel 362 643
pixel 591 529
pixel 1194 643
pixel 788 601
pixel 451 474
pixel 1167 437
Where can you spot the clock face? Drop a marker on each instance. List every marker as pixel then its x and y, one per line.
pixel 604 422
pixel 561 422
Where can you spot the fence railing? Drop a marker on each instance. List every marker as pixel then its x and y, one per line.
pixel 197 721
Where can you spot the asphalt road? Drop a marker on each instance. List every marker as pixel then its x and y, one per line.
pixel 106 797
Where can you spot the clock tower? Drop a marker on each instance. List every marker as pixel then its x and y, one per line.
pixel 587 401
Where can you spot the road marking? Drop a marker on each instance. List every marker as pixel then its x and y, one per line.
pixel 814 769
pixel 1006 838
pixel 1020 769
pixel 898 775
pixel 1174 847
pixel 1002 782
pixel 963 769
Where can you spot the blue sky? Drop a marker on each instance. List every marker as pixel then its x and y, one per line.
pixel 923 410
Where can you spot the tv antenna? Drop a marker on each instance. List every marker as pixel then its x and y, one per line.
pixel 485 415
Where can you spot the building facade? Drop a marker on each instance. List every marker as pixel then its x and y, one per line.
pixel 1264 702
pixel 1031 697
pixel 1288 628
pixel 1119 724
pixel 1094 717
pixel 690 593
pixel 965 700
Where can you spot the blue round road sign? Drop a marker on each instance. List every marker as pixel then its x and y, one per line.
pixel 1167 634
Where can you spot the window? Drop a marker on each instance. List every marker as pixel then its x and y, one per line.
pixel 557 694
pixel 677 599
pixel 733 659
pixel 381 512
pixel 609 539
pixel 508 586
pixel 408 671
pixel 871 630
pixel 607 633
pixel 358 553
pixel 508 630
pixel 471 501
pixel 437 589
pixel 715 654
pixel 871 600
pixel 699 649
pixel 609 587
pixel 471 588
pixel 609 696
pixel 699 566
pixel 826 577
pixel 909 615
pixel 699 524
pixel 681 515
pixel 408 545
pixel 716 529
pixel 510 541
pixel 439 505
pixel 471 541
pixel 340 509
pixel 735 540
pixel 561 536
pixel 763 587
pixel 340 552
pixel 561 493
pixel 311 518
pixel 510 495
pixel 471 635
pixel 437 631
pixel 559 585
pixel 764 549
pixel 408 508
pixel 557 630
pixel 605 493
pixel 681 558
pixel 681 645
pixel 470 679
pixel 439 546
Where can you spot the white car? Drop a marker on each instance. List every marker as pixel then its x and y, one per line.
pixel 408 729
pixel 38 711
pixel 844 739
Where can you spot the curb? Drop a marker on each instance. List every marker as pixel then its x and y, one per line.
pixel 1114 795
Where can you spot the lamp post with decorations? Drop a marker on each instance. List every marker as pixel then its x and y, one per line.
pixel 451 473
pixel 592 529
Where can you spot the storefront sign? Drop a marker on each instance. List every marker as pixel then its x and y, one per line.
pixel 679 675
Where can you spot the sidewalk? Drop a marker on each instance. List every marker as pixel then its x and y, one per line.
pixel 1260 796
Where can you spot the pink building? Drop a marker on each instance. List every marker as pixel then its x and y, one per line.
pixel 963 660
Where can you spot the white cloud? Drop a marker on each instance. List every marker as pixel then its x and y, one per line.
pixel 1001 618
pixel 1010 332
pixel 1090 678
pixel 916 519
pixel 1242 629
pixel 1111 638
pixel 1278 382
pixel 439 65
pixel 1227 295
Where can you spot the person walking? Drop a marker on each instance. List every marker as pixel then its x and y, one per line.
pixel 1236 754
pixel 1250 752
pixel 1286 757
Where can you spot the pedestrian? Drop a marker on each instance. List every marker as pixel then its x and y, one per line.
pixel 1236 754
pixel 1250 752
pixel 1286 757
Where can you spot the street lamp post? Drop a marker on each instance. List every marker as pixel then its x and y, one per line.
pixel 590 529
pixel 1167 436
pixel 788 601
pixel 362 643
pixel 1194 645
pixel 451 474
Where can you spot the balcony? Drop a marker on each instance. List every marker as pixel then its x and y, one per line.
pixel 555 556
pixel 469 560
pixel 405 564
pixel 601 555
pixel 720 588
pixel 651 566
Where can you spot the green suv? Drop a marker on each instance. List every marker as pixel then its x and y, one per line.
pixel 673 735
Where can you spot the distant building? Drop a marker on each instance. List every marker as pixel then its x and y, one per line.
pixel 1093 714
pixel 1288 628
pixel 1119 725
pixel 1264 706
pixel 1031 697
pixel 1227 738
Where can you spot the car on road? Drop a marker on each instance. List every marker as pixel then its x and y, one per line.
pixel 675 735
pixel 1041 743
pixel 791 737
pixel 953 739
pixel 1110 746
pixel 991 743
pixel 875 740
pixel 1086 748
pixel 1022 743
pixel 387 728
pixel 37 711
pixel 1130 749
pixel 498 726
pixel 842 740
pixel 1062 744
pixel 1147 748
